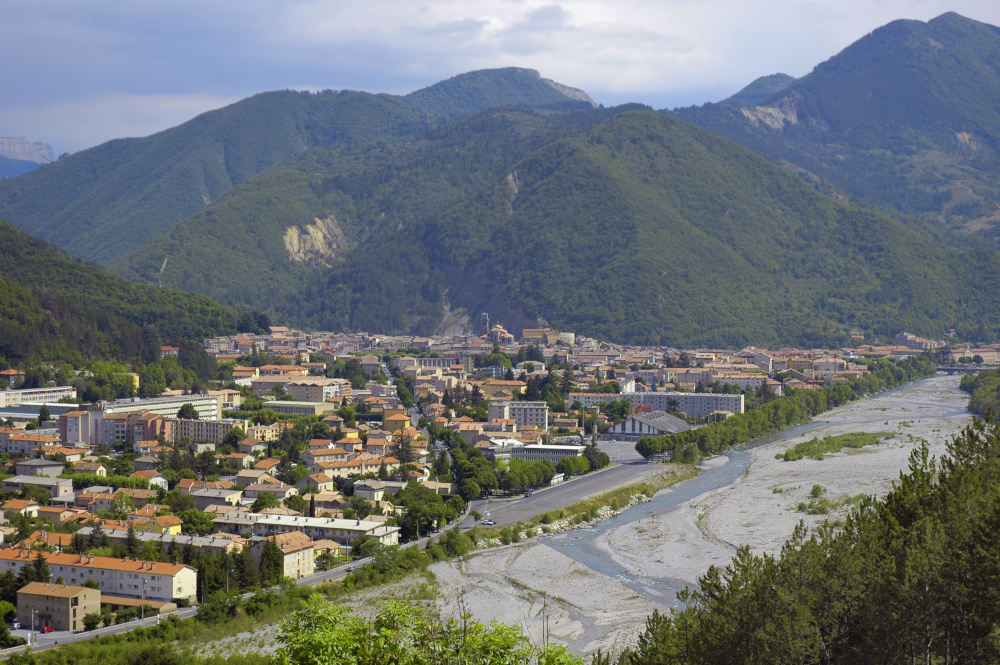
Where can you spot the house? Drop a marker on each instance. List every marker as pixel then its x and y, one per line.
pixel 240 460
pixel 251 476
pixel 24 507
pixel 321 481
pixel 370 490
pixel 206 498
pixel 59 515
pixel 146 463
pixel 128 577
pixel 93 468
pixel 139 497
pixel 251 446
pixel 59 606
pixel 190 485
pixel 166 524
pixel 50 539
pixel 59 489
pixel 395 421
pixel 281 490
pixel 39 467
pixel 155 478
pixel 270 465
pixel 297 548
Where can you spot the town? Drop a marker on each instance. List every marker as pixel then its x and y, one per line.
pixel 299 451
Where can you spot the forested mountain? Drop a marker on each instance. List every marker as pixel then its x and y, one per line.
pixel 760 89
pixel 102 203
pixel 10 168
pixel 56 307
pixel 622 223
pixel 906 117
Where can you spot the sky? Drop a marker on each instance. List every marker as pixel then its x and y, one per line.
pixel 77 74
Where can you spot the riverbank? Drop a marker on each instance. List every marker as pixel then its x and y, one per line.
pixel 762 507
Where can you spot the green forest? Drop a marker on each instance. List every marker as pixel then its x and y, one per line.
pixel 106 201
pixel 622 224
pixel 904 117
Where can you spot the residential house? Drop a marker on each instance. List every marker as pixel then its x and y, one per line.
pixel 155 478
pixel 39 467
pixel 93 468
pixel 59 606
pixel 280 490
pixel 24 507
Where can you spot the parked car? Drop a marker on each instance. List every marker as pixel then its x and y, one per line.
pixel 15 625
pixel 488 522
pixel 48 629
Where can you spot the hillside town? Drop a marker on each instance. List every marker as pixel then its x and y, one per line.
pixel 311 448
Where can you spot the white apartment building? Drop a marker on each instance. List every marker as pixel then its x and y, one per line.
pixel 118 577
pixel 523 413
pixel 318 389
pixel 534 452
pixel 342 531
pixel 695 405
pixel 593 399
pixel 13 398
pixel 206 430
pixel 208 407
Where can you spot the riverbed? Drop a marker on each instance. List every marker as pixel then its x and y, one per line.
pixel 596 586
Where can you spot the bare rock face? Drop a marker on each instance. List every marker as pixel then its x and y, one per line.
pixel 317 244
pixel 22 148
pixel 572 93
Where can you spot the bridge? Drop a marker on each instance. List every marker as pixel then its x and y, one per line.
pixel 965 369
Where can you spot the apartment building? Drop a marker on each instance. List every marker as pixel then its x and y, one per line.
pixel 298 553
pixel 60 606
pixel 523 413
pixel 302 408
pixel 206 430
pixel 593 399
pixel 318 389
pixel 22 443
pixel 343 531
pixel 119 577
pixel 208 407
pixel 694 405
pixel 58 488
pixel 14 398
pixel 536 452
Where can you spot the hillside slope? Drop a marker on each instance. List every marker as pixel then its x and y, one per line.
pixel 101 203
pixel 906 117
pixel 50 301
pixel 623 223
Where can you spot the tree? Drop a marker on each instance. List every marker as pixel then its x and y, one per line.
pixel 402 449
pixel 272 563
pixel 312 505
pixel 122 505
pixel 196 522
pixel 187 412
pixel 91 621
pixel 264 501
pixel 42 572
pixel 296 503
pixel 233 437
pixel 131 541
pixel 469 489
pixel 44 417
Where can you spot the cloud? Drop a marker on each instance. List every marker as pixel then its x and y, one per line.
pixel 80 73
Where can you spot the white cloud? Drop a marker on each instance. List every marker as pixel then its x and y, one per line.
pixel 160 62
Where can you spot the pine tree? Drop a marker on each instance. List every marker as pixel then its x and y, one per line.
pixel 42 572
pixel 312 506
pixel 272 563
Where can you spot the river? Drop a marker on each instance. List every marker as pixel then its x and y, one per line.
pixel 936 403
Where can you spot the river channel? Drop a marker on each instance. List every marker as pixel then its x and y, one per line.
pixel 930 409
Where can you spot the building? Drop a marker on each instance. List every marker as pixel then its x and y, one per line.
pixel 318 389
pixel 694 405
pixel 206 430
pixel 155 478
pixel 58 488
pixel 535 452
pixel 208 407
pixel 593 399
pixel 654 423
pixel 205 498
pixel 121 577
pixel 15 398
pixel 60 606
pixel 523 413
pixel 302 408
pixel 23 443
pixel 297 548
pixel 343 531
pixel 39 467
pixel 204 544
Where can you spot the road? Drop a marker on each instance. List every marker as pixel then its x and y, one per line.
pixel 581 488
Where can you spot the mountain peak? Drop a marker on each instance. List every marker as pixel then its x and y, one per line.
pixel 481 89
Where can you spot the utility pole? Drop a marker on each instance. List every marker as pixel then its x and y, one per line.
pixel 142 605
pixel 32 640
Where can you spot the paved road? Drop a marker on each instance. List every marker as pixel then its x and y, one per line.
pixel 581 488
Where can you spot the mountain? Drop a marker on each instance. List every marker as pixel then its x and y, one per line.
pixel 24 149
pixel 101 203
pixel 58 308
pixel 20 155
pixel 759 90
pixel 905 117
pixel 625 224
